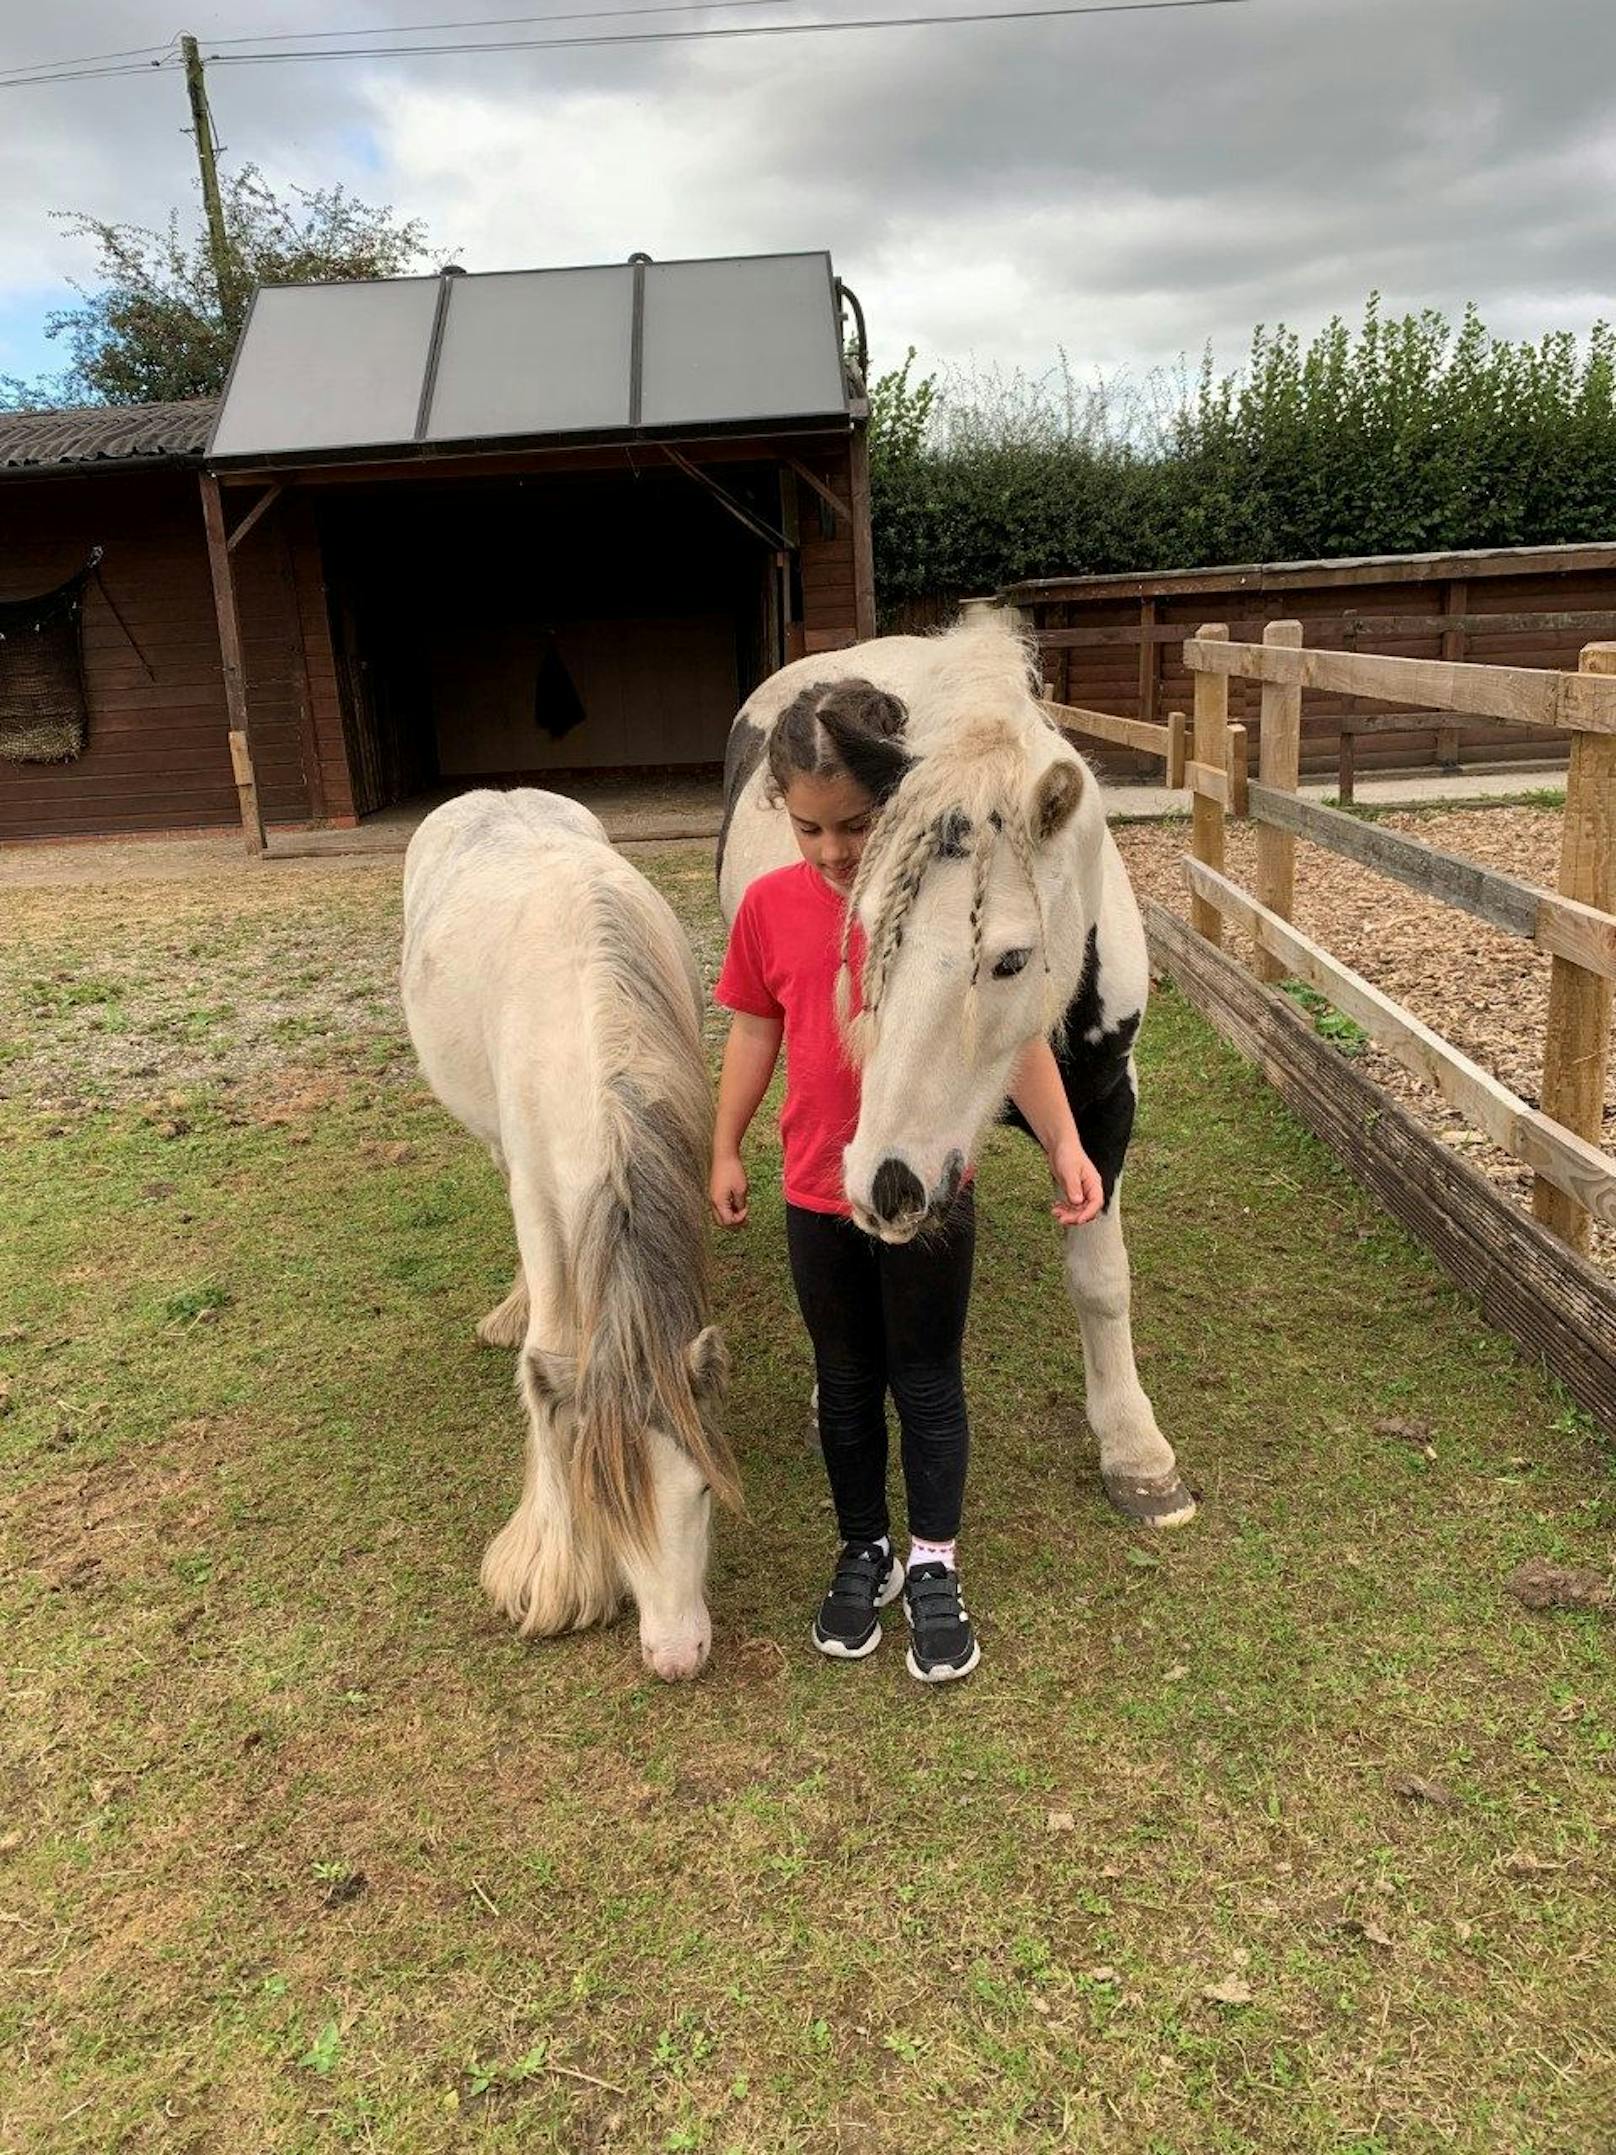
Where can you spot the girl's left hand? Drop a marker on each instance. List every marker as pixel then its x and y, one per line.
pixel 1082 1195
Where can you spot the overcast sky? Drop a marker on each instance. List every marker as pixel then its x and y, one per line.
pixel 1128 187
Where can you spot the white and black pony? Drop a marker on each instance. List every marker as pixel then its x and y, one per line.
pixel 995 908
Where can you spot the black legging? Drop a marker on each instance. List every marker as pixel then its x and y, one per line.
pixel 881 1315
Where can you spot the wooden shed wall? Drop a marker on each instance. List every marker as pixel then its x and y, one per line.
pixel 827 553
pixel 156 757
pixel 1115 644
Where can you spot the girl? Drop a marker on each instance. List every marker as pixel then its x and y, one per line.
pixel 880 1316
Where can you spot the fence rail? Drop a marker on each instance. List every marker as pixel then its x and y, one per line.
pixel 1576 925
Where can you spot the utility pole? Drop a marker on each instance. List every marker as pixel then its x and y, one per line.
pixel 202 127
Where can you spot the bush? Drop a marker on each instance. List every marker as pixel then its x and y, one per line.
pixel 1406 437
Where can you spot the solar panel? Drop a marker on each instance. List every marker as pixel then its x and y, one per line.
pixel 750 339
pixel 648 347
pixel 328 366
pixel 534 352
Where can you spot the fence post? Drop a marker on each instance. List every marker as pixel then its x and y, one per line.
pixel 1239 769
pixel 1577 1046
pixel 1177 741
pixel 1211 748
pixel 1279 764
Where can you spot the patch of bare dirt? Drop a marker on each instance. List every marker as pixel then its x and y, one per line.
pixel 1486 992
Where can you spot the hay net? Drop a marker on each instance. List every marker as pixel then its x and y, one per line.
pixel 42 709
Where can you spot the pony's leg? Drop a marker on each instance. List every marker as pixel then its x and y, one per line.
pixel 506 1324
pixel 545 1569
pixel 1137 1467
pixel 669 1580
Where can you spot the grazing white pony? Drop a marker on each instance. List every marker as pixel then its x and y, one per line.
pixel 556 1011
pixel 995 907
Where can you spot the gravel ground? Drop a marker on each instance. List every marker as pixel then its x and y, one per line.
pixel 1486 992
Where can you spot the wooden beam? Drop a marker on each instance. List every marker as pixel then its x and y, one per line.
pixel 235 678
pixel 1497 899
pixel 1520 695
pixel 1108 726
pixel 1557 1154
pixel 1258 579
pixel 1211 750
pixel 747 518
pixel 1576 1048
pixel 1207 782
pixel 863 540
pixel 1592 621
pixel 264 503
pixel 1279 761
pixel 827 494
pixel 1550 1301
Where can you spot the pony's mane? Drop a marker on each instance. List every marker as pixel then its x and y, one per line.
pixel 638 1286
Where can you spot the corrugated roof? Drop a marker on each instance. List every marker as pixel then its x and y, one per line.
pixel 634 350
pixel 106 434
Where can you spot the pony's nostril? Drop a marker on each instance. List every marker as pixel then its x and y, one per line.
pixel 895 1191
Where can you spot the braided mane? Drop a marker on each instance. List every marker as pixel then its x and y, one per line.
pixel 961 799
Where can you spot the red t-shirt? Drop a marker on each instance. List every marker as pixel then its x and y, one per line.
pixel 784 949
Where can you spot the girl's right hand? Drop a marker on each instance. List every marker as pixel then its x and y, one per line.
pixel 726 1189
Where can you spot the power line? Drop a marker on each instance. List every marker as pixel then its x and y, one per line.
pixel 727 30
pixel 491 22
pixel 42 70
pixel 598 39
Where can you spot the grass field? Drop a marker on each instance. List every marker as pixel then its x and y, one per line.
pixel 1293 1832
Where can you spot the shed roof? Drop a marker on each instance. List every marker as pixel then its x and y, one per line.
pixel 110 434
pixel 406 366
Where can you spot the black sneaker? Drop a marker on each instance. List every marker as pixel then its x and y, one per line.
pixel 867 1577
pixel 942 1644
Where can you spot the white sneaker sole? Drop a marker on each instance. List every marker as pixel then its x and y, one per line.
pixel 834 1650
pixel 943 1673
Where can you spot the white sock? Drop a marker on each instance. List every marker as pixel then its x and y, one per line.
pixel 932 1552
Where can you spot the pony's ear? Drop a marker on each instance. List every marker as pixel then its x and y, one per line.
pixel 866 726
pixel 554 1377
pixel 707 1359
pixel 1054 800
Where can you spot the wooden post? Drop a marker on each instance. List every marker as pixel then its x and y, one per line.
pixel 1577 1047
pixel 235 679
pixel 1149 661
pixel 1177 746
pixel 1344 773
pixel 863 541
pixel 1456 601
pixel 1239 769
pixel 1279 764
pixel 1211 747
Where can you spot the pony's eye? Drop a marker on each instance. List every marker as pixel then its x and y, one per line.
pixel 1010 964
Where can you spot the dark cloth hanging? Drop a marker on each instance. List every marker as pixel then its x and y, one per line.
pixel 42 708
pixel 557 706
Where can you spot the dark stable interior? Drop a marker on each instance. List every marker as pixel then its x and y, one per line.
pixel 526 628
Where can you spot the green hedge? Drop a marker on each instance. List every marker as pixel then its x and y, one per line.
pixel 1405 436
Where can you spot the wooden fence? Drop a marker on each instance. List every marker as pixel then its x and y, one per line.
pixel 1541 1288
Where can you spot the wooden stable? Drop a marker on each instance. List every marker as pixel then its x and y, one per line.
pixel 1529 1276
pixel 307 640
pixel 1117 643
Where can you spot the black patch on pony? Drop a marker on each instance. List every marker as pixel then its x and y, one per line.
pixel 953 831
pixel 1095 1074
pixel 743 752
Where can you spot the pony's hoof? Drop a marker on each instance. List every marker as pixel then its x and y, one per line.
pixel 1160 1501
